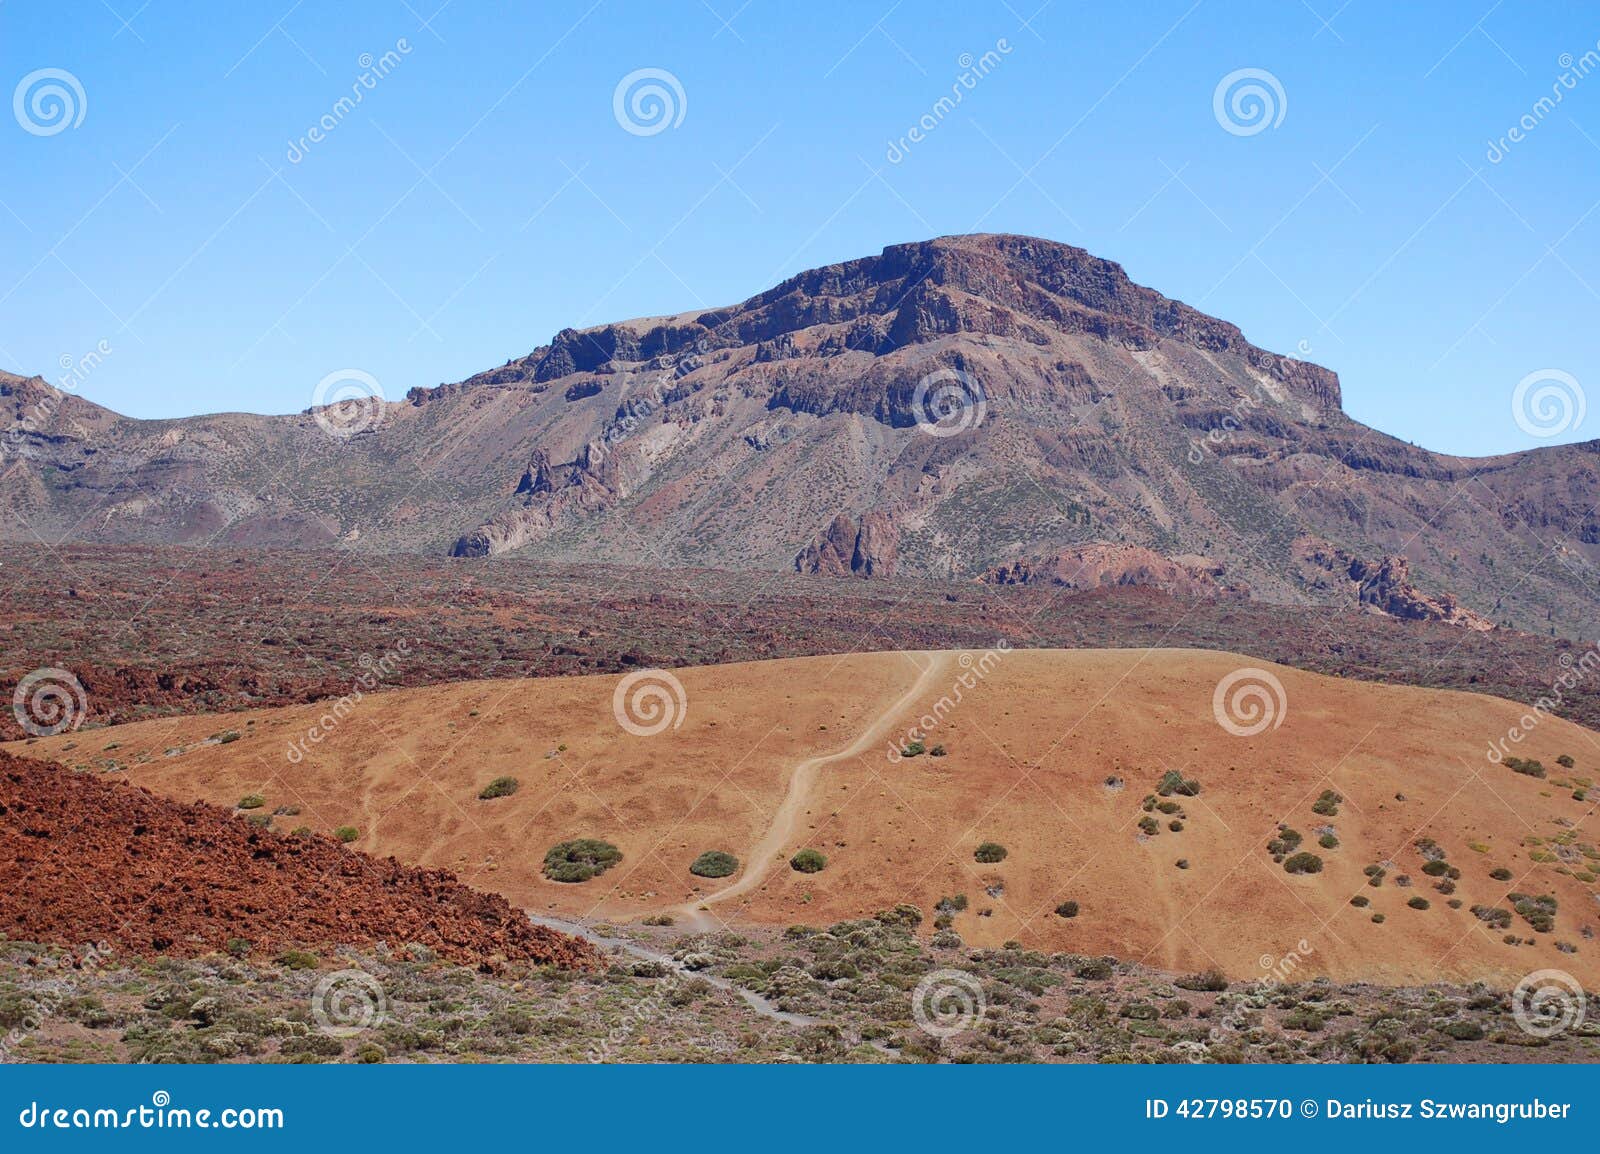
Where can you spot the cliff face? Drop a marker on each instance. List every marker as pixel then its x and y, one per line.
pixel 941 409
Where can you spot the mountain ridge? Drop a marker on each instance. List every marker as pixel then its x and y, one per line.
pixel 1078 408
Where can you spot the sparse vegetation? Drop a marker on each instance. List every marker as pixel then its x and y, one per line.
pixel 808 861
pixel 580 859
pixel 714 863
pixel 1173 782
pixel 1303 863
pixel 1328 804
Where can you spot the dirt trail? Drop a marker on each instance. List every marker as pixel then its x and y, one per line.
pixel 786 821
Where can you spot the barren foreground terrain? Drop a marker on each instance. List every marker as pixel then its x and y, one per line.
pixel 1053 756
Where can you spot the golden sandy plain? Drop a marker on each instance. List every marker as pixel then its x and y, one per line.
pixel 771 757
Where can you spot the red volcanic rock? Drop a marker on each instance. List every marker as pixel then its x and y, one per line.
pixel 83 860
pixel 1385 586
pixel 1101 566
pixel 865 548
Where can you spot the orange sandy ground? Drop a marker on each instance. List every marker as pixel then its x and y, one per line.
pixel 1030 747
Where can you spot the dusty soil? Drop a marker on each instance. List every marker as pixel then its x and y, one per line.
pixel 85 859
pixel 1030 749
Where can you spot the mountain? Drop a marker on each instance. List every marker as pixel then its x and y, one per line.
pixel 945 408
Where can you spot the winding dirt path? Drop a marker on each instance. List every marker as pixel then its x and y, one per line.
pixel 786 821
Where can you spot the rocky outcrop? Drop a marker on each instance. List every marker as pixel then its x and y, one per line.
pixel 188 879
pixel 1105 566
pixel 851 548
pixel 1382 586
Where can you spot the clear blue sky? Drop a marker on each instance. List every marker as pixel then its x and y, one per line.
pixel 483 194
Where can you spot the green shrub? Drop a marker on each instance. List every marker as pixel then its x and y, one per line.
pixel 1435 869
pixel 1328 804
pixel 1565 761
pixel 1303 863
pixel 1303 1018
pixel 347 833
pixel 1538 912
pixel 298 960
pixel 808 861
pixel 1500 874
pixel 1169 807
pixel 1174 782
pixel 252 801
pixel 1525 765
pixel 1418 903
pixel 580 859
pixel 228 738
pixel 913 749
pixel 937 751
pixel 1149 826
pixel 1067 910
pixel 952 905
pixel 714 863
pixel 1377 919
pixel 499 787
pixel 1360 901
pixel 1328 841
pixel 1464 1031
pixel 1175 825
pixel 238 947
pixel 1208 981
pixel 990 852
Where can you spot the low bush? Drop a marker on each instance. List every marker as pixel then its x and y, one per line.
pixel 937 751
pixel 1464 1030
pixel 913 749
pixel 1500 874
pixel 714 863
pixel 1565 761
pixel 990 852
pixel 1328 841
pixel 1418 903
pixel 1328 804
pixel 1525 765
pixel 1067 910
pixel 1377 919
pixel 1173 782
pixel 499 787
pixel 1360 901
pixel 347 833
pixel 252 801
pixel 1207 981
pixel 1435 869
pixel 1303 863
pixel 808 861
pixel 580 859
